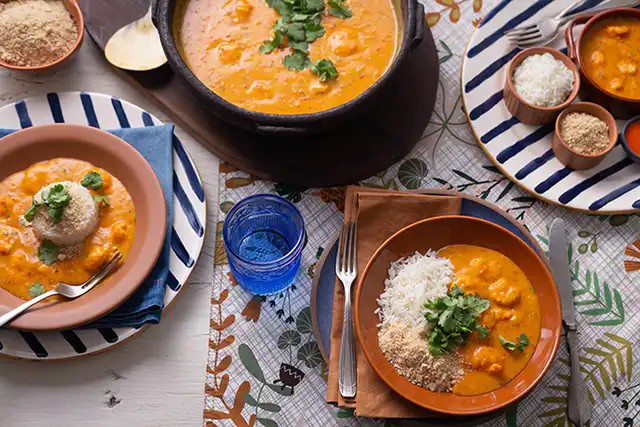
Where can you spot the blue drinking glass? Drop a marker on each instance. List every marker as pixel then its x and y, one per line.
pixel 264 237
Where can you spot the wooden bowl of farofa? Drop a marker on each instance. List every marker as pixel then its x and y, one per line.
pixel 24 62
pixel 569 156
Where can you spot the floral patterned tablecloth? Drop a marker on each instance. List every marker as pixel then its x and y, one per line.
pixel 251 337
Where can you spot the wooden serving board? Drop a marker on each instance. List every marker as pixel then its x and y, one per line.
pixel 349 154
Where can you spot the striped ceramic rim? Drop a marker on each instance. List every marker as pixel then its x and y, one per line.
pixel 107 112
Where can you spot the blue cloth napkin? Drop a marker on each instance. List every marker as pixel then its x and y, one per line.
pixel 155 143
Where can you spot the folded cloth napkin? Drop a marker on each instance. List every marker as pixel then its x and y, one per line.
pixel 155 143
pixel 380 213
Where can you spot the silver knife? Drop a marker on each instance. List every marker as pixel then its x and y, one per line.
pixel 580 407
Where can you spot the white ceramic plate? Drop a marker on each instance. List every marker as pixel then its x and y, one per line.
pixel 522 152
pixel 106 112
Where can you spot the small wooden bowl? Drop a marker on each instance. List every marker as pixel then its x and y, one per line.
pixel 75 12
pixel 573 159
pixel 625 144
pixel 521 109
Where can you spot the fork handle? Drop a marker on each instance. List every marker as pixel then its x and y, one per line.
pixel 347 375
pixel 7 317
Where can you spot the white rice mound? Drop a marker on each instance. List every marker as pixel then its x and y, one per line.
pixel 80 217
pixel 543 81
pixel 413 281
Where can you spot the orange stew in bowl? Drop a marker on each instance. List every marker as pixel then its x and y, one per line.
pixel 19 261
pixel 610 55
pixel 513 310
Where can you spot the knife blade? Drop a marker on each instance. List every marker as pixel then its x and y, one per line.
pixel 559 259
pixel 579 405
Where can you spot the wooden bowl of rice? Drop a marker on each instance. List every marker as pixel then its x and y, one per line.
pixel 526 111
pixel 40 19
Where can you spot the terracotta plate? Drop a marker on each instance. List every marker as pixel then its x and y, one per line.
pixel 436 233
pixel 23 148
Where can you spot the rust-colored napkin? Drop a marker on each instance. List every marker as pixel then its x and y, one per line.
pixel 380 214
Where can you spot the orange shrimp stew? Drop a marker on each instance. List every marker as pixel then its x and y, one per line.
pixel 610 55
pixel 513 310
pixel 21 264
pixel 254 57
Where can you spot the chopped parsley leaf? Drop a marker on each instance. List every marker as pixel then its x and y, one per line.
pixel 92 180
pixel 301 22
pixel 453 318
pixel 523 341
pixel 48 252
pixel 338 9
pixel 101 200
pixel 296 61
pixel 30 214
pixel 325 69
pixel 56 199
pixel 36 290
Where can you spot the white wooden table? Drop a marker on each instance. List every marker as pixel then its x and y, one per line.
pixel 157 378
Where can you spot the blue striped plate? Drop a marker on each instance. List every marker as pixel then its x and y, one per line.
pixel 522 152
pixel 106 112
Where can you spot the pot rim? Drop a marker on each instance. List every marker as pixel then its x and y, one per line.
pixel 165 11
pixel 587 25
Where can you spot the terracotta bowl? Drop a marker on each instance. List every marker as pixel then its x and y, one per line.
pixel 21 149
pixel 436 233
pixel 620 107
pixel 573 159
pixel 625 143
pixel 76 14
pixel 521 109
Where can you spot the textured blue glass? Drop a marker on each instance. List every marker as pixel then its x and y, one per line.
pixel 264 237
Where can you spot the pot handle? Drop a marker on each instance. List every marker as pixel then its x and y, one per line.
pixel 416 22
pixel 281 131
pixel 153 7
pixel 568 34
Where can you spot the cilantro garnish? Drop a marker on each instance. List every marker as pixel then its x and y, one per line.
pixel 338 9
pixel 296 61
pixel 523 341
pixel 48 252
pixel 483 331
pixel 325 69
pixel 101 200
pixel 92 180
pixel 30 214
pixel 55 199
pixel 36 290
pixel 301 22
pixel 453 318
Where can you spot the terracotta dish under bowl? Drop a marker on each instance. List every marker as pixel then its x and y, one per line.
pixel 572 158
pixel 21 149
pixel 436 233
pixel 620 107
pixel 76 14
pixel 526 112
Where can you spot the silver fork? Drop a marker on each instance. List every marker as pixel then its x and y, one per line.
pixel 347 270
pixel 69 291
pixel 545 31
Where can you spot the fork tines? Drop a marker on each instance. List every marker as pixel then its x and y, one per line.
pixel 346 261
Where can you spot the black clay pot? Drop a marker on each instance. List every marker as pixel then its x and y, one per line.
pixel 300 125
